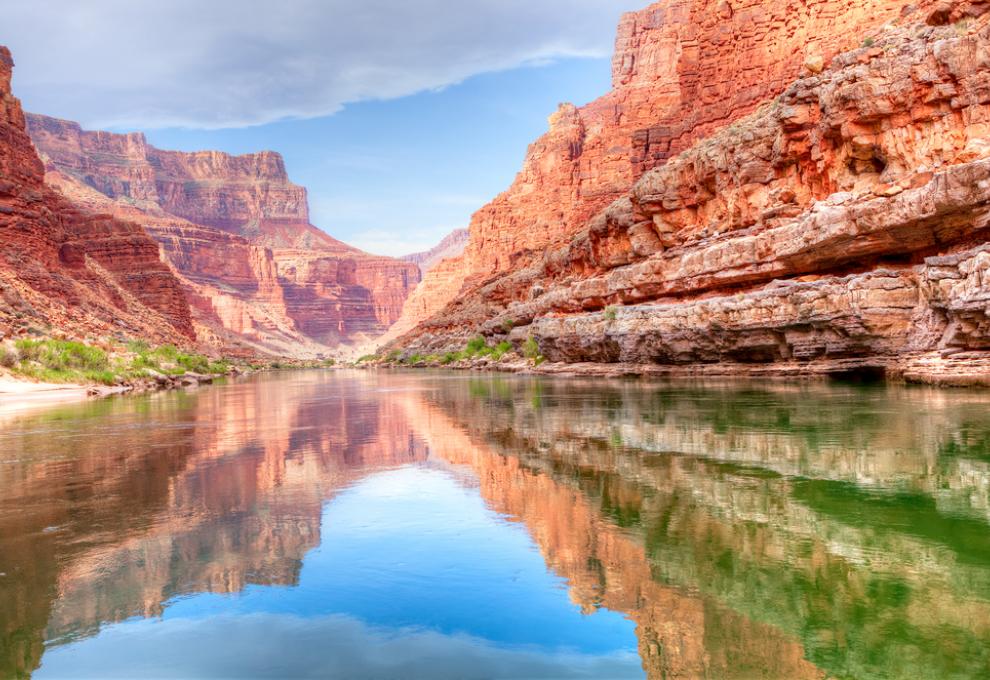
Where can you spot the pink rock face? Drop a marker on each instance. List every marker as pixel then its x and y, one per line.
pixel 69 269
pixel 237 232
pixel 842 221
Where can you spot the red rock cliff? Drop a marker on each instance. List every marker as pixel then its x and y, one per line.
pixel 862 169
pixel 69 269
pixel 238 232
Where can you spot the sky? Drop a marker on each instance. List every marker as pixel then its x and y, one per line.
pixel 400 118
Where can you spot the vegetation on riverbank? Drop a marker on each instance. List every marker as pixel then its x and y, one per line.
pixel 69 361
pixel 477 351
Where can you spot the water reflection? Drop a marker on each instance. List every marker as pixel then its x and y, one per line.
pixel 453 525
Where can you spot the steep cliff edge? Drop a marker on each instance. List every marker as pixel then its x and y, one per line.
pixel 69 269
pixel 237 233
pixel 837 226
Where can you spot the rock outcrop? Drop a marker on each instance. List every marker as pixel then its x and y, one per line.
pixel 69 269
pixel 840 224
pixel 237 233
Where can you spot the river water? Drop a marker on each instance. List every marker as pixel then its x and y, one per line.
pixel 432 524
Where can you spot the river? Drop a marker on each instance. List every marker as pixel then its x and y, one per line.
pixel 442 524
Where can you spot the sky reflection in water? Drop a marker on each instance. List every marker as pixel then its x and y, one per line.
pixel 447 525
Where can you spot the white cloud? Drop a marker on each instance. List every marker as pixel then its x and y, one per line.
pixel 283 646
pixel 231 63
pixel 395 243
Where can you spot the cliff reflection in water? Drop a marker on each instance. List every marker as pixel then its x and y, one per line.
pixel 747 531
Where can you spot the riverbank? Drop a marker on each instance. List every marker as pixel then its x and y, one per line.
pixel 35 372
pixel 941 369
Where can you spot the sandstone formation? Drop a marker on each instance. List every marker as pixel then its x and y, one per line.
pixel 452 245
pixel 237 233
pixel 67 269
pixel 805 205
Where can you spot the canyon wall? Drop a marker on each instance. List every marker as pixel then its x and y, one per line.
pixel 236 231
pixel 837 222
pixel 68 269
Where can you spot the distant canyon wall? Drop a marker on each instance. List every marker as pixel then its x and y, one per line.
pixel 236 231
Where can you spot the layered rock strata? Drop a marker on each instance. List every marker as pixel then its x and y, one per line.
pixel 237 232
pixel 843 221
pixel 67 269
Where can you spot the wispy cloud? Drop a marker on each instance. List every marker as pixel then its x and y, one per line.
pixel 396 244
pixel 321 647
pixel 233 63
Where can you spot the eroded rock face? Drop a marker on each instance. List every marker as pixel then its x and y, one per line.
pixel 237 232
pixel 64 267
pixel 843 220
pixel 682 70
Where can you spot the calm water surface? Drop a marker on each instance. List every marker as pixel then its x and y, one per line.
pixel 353 524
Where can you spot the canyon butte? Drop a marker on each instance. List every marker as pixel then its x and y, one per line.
pixel 770 188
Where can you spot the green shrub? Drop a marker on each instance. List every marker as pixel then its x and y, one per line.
pixel 501 350
pixel 166 353
pixel 531 349
pixel 194 363
pixel 29 350
pixel 138 347
pixel 476 345
pixel 63 355
pixel 220 367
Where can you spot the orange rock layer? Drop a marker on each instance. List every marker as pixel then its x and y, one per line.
pixel 236 231
pixel 842 220
pixel 65 268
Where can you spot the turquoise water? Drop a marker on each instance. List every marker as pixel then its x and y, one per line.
pixel 431 524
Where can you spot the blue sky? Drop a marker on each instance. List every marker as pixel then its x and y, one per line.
pixel 400 117
pixel 394 177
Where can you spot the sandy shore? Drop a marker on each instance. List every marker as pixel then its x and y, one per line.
pixel 18 396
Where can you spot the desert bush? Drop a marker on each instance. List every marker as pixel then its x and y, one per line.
pixel 531 349
pixel 476 345
pixel 501 350
pixel 8 357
